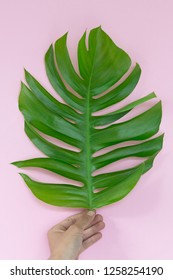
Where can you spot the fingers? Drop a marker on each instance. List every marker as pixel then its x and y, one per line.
pixel 98 218
pixel 93 230
pixel 65 224
pixel 85 219
pixel 90 241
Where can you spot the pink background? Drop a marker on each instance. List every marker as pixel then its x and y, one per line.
pixel 141 225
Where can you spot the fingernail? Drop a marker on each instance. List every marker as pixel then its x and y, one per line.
pixel 91 213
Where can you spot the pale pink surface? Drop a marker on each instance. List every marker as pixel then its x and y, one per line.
pixel 141 225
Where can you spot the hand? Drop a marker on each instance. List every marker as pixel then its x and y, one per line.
pixel 69 238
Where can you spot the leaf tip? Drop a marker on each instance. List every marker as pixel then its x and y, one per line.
pixel 99 28
pixel 13 163
pixel 26 73
pixel 16 163
pixel 21 85
pixel 65 35
pixel 153 94
pixel 61 41
pixel 138 67
pixel 24 176
pixel 48 52
pixel 50 48
pixel 159 105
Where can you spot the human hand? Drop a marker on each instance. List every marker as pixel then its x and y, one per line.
pixel 69 238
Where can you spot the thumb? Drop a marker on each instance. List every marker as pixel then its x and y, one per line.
pixel 85 219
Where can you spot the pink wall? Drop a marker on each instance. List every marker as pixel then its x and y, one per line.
pixel 141 225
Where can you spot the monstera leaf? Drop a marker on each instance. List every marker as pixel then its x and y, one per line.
pixel 73 121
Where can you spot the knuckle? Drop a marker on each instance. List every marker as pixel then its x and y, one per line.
pixel 103 224
pixel 100 218
pixel 100 225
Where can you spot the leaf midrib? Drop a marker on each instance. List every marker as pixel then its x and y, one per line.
pixel 88 137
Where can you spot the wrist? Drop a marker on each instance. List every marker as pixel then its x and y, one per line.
pixel 62 257
pixel 56 257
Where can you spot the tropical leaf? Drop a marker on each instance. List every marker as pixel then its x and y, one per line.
pixel 101 65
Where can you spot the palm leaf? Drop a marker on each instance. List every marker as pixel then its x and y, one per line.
pixel 101 66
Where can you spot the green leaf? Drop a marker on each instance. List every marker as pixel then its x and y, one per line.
pixel 118 93
pixel 141 127
pixel 53 165
pixel 46 121
pixel 145 149
pixel 118 191
pixel 118 114
pixel 66 68
pixel 50 102
pixel 50 149
pixel 106 180
pixel 57 194
pixel 57 82
pixel 101 65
